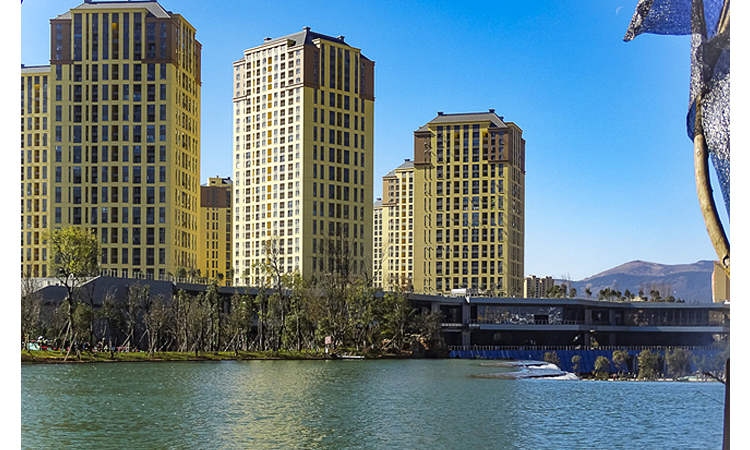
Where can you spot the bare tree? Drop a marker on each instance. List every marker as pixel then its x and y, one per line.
pixel 214 304
pixel 137 301
pixel 240 321
pixel 337 264
pixel 277 306
pixel 155 321
pixel 181 312
pixel 111 320
pixel 298 330
pixel 31 308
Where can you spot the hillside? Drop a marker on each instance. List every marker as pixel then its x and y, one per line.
pixel 689 282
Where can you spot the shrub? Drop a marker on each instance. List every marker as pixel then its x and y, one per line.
pixel 601 368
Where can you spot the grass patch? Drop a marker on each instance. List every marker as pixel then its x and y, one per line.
pixel 51 356
pixel 54 356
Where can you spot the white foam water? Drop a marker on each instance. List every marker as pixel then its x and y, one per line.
pixel 530 370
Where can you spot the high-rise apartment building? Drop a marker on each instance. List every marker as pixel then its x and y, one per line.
pixel 122 125
pixel 303 154
pixel 377 243
pixel 35 168
pixel 534 287
pixel 394 253
pixel 215 229
pixel 469 205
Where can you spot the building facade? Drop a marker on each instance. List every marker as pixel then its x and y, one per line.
pixel 303 154
pixel 469 178
pixel 534 287
pixel 377 243
pixel 395 236
pixel 122 152
pixel 35 169
pixel 487 321
pixel 215 229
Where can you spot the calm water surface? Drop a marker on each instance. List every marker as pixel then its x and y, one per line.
pixel 403 404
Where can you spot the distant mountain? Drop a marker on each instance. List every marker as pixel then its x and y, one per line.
pixel 688 282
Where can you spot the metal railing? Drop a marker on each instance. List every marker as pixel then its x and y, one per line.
pixel 572 347
pixel 115 273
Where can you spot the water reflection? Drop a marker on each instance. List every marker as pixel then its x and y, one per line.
pixel 431 405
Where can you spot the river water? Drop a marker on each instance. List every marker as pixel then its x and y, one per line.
pixel 383 404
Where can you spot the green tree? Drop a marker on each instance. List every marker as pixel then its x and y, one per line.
pixel 396 315
pixel 713 365
pixel 609 294
pixel 557 291
pixel 647 365
pixel 73 257
pixel 678 362
pixel 620 360
pixel 601 368
pixel 360 311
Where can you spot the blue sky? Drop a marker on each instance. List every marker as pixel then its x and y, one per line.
pixel 609 171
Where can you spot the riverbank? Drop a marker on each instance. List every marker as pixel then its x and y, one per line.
pixel 60 357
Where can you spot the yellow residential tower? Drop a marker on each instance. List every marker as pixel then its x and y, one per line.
pixel 215 230
pixel 111 140
pixel 468 205
pixel 394 236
